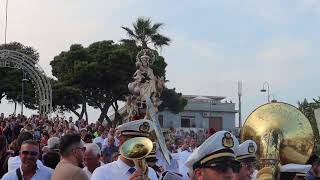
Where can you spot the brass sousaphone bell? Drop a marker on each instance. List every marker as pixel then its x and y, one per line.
pixel 282 133
pixel 137 149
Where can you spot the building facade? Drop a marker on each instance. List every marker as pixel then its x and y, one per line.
pixel 201 112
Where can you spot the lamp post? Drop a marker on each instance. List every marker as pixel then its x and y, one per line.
pixel 22 89
pixel 266 90
pixel 273 98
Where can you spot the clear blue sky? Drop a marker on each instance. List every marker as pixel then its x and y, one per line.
pixel 215 43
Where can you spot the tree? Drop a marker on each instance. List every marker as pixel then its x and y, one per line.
pixel 68 85
pixel 307 108
pixel 145 33
pixel 66 98
pixel 110 75
pixel 10 79
pixel 172 101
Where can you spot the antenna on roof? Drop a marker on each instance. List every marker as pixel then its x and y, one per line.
pixel 239 95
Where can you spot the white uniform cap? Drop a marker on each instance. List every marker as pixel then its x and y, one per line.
pixel 246 150
pixel 299 169
pixel 141 127
pixel 222 144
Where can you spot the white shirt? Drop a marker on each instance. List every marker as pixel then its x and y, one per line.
pixel 117 170
pixel 15 162
pixel 116 142
pixel 183 169
pixel 173 166
pixel 43 173
pixel 99 139
pixel 88 173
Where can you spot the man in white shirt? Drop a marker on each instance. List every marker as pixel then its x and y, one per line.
pixel 100 139
pixel 29 153
pixel 124 169
pixel 15 162
pixel 91 158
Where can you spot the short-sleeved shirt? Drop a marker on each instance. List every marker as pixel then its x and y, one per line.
pixel 42 173
pixel 117 170
pixel 15 162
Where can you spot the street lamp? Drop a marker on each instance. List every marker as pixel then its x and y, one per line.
pixel 266 90
pixel 273 98
pixel 24 79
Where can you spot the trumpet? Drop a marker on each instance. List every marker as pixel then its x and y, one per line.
pixel 137 149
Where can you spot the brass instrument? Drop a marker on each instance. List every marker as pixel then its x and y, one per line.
pixel 137 149
pixel 282 133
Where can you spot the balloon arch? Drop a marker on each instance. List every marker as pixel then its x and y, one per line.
pixel 14 59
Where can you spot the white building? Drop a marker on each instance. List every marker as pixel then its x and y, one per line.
pixel 201 112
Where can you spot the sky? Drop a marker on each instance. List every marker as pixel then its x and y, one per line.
pixel 214 43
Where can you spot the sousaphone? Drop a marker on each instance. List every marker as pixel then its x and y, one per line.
pixel 283 134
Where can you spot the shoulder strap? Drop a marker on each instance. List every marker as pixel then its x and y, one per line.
pixel 18 172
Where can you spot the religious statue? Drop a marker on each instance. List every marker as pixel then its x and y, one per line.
pixel 145 85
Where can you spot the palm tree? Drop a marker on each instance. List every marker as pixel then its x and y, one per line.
pixel 144 33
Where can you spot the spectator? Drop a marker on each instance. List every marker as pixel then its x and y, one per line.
pixel 29 153
pixel 111 132
pixel 71 149
pixel 185 146
pixel 108 150
pixel 53 144
pixel 91 158
pixel 83 133
pixel 193 144
pixel 51 159
pixel 103 134
pixel 44 139
pixel 2 126
pixel 88 138
pixel 15 162
pixel 4 155
pixel 117 138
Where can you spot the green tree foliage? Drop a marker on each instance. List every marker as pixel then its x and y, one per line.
pixel 145 33
pixel 307 108
pixel 10 79
pixel 65 67
pixel 172 101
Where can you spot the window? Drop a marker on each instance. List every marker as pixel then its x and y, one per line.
pixel 188 122
pixel 185 122
pixel 160 119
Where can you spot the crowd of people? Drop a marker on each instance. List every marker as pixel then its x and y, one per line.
pixel 41 148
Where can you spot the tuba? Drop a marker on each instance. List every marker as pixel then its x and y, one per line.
pixel 137 149
pixel 282 133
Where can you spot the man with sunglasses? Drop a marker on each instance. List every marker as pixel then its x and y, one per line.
pixel 215 158
pixel 28 170
pixel 72 153
pixel 246 155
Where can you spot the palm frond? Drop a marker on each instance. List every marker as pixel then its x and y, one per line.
pixel 156 27
pixel 160 40
pixel 129 32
